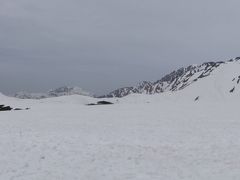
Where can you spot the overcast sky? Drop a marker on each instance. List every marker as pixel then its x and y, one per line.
pixel 101 45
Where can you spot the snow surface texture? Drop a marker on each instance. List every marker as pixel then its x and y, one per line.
pixel 167 136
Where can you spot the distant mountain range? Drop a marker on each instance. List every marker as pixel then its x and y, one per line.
pixel 62 91
pixel 175 81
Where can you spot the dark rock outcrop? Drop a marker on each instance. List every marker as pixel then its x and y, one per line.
pixel 8 108
pixel 100 103
pixel 5 108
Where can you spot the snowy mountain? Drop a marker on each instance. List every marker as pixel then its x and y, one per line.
pixel 62 91
pixel 175 81
pixel 26 95
pixel 191 131
pixel 66 91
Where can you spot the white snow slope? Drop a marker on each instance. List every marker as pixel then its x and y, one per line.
pixel 141 137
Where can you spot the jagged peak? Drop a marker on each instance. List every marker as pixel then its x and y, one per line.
pixel 174 81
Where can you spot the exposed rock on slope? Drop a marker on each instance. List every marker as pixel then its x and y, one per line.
pixel 175 81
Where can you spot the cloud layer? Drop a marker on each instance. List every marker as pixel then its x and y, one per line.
pixel 102 45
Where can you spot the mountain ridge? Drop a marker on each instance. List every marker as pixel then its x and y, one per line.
pixel 61 91
pixel 174 81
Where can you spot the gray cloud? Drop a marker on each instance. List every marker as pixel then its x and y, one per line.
pixel 102 45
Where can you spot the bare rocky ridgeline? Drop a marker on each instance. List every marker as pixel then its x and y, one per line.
pixel 176 80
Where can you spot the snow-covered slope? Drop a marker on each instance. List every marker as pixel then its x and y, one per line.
pixel 62 91
pixel 177 80
pixel 140 137
pixel 192 133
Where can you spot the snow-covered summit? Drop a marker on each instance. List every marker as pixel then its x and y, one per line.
pixel 27 95
pixel 62 91
pixel 176 80
pixel 66 91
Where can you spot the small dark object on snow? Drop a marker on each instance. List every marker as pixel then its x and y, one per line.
pixel 104 103
pixel 100 103
pixel 91 104
pixel 43 157
pixel 5 108
pixel 18 109
pixel 8 108
pixel 197 98
pixel 232 90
